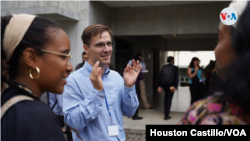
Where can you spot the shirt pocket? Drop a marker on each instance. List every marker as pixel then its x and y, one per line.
pixel 112 97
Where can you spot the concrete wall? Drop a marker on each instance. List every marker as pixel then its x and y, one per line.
pixel 161 20
pixel 74 32
pixel 144 46
pixel 72 16
pixel 101 14
pixel 75 10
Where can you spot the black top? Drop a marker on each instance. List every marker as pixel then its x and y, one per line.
pixel 175 83
pixel 79 66
pixel 29 120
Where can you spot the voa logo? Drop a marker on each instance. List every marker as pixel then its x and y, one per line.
pixel 228 16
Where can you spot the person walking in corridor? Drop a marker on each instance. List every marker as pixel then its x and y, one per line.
pixel 168 80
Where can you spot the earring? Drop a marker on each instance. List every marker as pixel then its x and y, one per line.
pixel 38 73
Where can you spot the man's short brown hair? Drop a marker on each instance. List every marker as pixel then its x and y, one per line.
pixel 92 31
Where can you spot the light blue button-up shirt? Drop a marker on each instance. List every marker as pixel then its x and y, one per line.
pixel 85 109
pixel 58 109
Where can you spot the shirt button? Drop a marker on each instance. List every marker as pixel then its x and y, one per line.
pixel 128 103
pixel 129 91
pixel 109 106
pixel 114 122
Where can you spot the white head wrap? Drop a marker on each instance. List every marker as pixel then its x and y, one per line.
pixel 239 6
pixel 15 32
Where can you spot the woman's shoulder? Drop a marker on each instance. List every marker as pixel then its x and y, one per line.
pixel 33 117
pixel 215 110
pixel 30 110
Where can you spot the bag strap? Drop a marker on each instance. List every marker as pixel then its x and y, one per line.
pixel 47 98
pixel 12 102
pixel 54 105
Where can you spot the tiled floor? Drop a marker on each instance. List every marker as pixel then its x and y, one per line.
pixel 135 135
pixel 180 104
pixel 180 101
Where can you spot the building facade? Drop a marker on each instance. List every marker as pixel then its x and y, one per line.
pixel 139 26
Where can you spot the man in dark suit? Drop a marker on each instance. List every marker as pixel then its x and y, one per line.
pixel 171 73
pixel 85 57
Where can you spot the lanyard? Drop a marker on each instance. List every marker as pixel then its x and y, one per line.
pixel 106 100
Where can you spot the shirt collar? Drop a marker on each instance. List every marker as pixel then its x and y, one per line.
pixel 89 68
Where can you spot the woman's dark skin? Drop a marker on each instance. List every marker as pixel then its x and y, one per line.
pixel 53 68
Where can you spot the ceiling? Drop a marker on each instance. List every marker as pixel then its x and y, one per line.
pixel 190 36
pixel 124 3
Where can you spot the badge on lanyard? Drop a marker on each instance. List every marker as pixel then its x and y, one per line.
pixel 113 130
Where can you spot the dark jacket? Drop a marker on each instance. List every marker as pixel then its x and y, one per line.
pixel 29 120
pixel 79 66
pixel 176 78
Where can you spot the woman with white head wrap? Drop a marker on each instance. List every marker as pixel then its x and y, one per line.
pixel 36 52
pixel 232 52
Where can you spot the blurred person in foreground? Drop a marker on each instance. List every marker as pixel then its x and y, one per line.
pixel 232 104
pixel 96 98
pixel 37 52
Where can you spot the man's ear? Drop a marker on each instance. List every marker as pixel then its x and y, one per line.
pixel 30 57
pixel 86 48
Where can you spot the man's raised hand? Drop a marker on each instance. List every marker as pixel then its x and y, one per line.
pixel 96 77
pixel 130 74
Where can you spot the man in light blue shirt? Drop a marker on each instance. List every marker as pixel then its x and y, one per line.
pixel 56 102
pixel 58 107
pixel 95 98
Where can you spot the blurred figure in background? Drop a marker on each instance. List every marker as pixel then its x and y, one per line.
pixel 85 57
pixel 232 104
pixel 216 82
pixel 196 81
pixel 56 104
pixel 138 90
pixel 38 54
pixel 169 81
pixel 208 71
pixel 142 83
